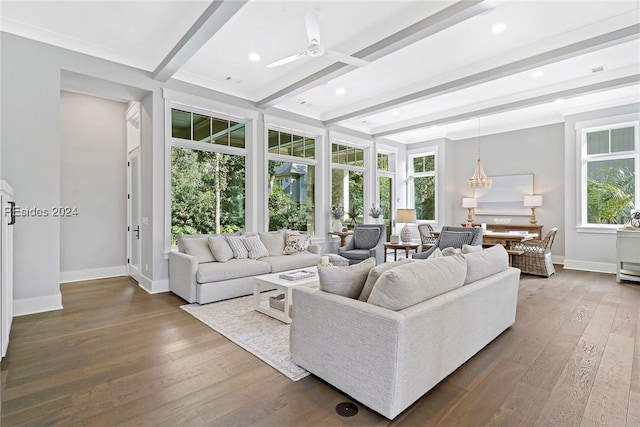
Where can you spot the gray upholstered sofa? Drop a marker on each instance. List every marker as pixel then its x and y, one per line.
pixel 388 358
pixel 203 270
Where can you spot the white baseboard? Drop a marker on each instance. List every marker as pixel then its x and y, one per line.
pixel 26 306
pixel 557 259
pixel 153 286
pixel 598 267
pixel 95 273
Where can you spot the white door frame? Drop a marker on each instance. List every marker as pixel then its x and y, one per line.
pixel 133 194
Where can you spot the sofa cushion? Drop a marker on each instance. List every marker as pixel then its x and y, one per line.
pixel 233 269
pixel 366 237
pixel 451 251
pixel 296 243
pixel 239 249
pixel 485 263
pixel 455 238
pixel 375 273
pixel 197 246
pixel 413 283
pixel 255 247
pixel 345 281
pixel 220 248
pixel 273 241
pixel 289 262
pixel 468 249
pixel 437 253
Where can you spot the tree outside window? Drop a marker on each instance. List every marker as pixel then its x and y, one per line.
pixel 424 186
pixel 347 182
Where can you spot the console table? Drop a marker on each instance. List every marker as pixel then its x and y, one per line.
pixel 505 228
pixel 627 255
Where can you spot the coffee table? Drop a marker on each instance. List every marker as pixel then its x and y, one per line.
pixel 273 281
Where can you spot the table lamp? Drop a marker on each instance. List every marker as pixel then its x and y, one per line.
pixel 533 202
pixel 406 216
pixel 470 203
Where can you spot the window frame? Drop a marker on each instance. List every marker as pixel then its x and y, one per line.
pixel 411 176
pixel 584 159
pixel 366 152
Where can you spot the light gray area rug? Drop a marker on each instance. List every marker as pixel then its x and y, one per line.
pixel 259 334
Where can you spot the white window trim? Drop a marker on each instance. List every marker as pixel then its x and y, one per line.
pixel 411 176
pixel 367 173
pixel 594 126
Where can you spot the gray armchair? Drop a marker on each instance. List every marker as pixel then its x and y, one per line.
pixel 367 241
pixel 454 237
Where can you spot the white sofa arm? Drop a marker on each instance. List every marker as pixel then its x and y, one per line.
pixel 347 343
pixel 182 275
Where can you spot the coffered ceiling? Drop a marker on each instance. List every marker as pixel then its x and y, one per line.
pixel 434 66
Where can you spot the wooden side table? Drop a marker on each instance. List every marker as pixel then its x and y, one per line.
pixel 343 236
pixel 395 246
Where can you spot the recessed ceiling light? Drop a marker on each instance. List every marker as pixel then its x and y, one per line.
pixel 559 100
pixel 536 74
pixel 395 113
pixel 340 91
pixel 498 28
pixel 434 127
pixel 254 57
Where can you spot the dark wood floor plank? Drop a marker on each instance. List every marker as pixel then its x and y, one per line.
pixel 119 356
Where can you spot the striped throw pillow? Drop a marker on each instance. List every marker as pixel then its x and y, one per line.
pixel 255 247
pixel 238 248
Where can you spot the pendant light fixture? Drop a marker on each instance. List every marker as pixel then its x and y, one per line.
pixel 479 179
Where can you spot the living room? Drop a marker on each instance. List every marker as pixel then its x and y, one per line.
pixel 58 90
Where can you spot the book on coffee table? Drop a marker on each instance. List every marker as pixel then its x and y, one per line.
pixel 297 275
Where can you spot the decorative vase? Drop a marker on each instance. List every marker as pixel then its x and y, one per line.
pixel 377 220
pixel 337 225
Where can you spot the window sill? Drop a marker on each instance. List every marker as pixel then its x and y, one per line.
pixel 594 229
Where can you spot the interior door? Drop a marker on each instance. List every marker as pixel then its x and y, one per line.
pixel 133 226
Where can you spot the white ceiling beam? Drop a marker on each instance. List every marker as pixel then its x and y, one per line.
pixel 448 17
pixel 209 23
pixel 519 104
pixel 602 41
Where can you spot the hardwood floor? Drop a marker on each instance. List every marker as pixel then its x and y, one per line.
pixel 119 356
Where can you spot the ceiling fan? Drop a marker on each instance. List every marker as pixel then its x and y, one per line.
pixel 315 49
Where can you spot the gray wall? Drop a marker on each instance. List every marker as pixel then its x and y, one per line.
pixel 538 150
pixel 93 180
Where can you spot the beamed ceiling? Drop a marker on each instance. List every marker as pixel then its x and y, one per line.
pixel 434 66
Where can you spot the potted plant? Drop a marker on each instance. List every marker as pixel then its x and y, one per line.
pixel 375 213
pixel 354 213
pixel 337 213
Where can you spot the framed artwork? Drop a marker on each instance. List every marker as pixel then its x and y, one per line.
pixel 506 196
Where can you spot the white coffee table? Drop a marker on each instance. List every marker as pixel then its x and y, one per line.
pixel 273 281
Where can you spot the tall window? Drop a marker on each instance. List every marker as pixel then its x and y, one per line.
pixel 347 181
pixel 385 189
pixel 207 174
pixel 423 185
pixel 610 186
pixel 291 178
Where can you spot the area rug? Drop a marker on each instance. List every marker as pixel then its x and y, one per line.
pixel 259 334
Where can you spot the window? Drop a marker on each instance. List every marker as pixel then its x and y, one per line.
pixel 291 174
pixel 383 162
pixel 423 185
pixel 207 180
pixel 347 181
pixel 609 173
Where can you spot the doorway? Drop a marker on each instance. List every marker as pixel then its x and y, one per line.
pixel 133 191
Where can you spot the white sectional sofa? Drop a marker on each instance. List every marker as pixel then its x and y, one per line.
pixel 202 271
pixel 388 358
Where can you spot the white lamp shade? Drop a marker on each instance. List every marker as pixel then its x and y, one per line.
pixel 469 202
pixel 406 215
pixel 533 201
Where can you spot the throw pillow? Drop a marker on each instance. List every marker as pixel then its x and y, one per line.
pixel 255 247
pixel 220 248
pixel 366 237
pixel 450 251
pixel 375 273
pixel 485 263
pixel 345 281
pixel 238 248
pixel 197 247
pixel 437 253
pixel 411 284
pixel 468 249
pixel 455 239
pixel 273 241
pixel 296 243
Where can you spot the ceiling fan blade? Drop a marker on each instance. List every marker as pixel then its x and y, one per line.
pixel 313 26
pixel 287 60
pixel 351 60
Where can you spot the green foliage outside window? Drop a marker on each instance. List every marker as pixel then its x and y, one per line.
pixel 291 196
pixel 351 197
pixel 207 192
pixel 610 193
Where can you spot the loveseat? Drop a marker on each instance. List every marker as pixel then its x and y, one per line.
pixel 419 323
pixel 208 268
